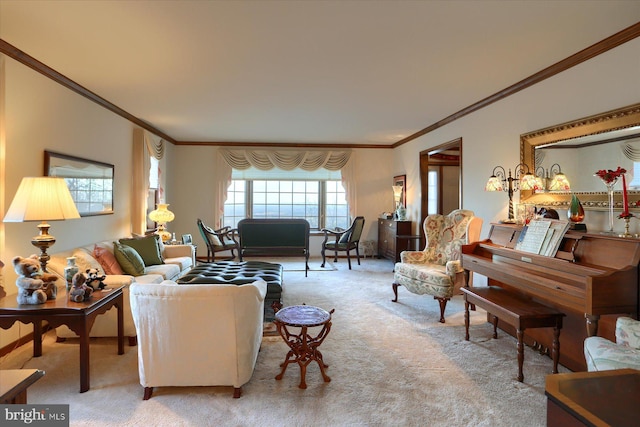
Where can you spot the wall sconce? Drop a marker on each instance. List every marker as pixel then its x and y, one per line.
pixel 502 181
pixel 161 215
pixel 42 199
pixel 553 179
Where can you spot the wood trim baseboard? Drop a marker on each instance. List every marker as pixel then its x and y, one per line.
pixel 25 339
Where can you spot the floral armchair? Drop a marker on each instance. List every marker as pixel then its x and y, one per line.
pixel 437 270
pixel 603 355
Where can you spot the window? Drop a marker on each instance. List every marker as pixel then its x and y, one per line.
pixel 321 202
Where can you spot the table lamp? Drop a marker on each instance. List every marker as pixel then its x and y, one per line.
pixel 42 199
pixel 161 215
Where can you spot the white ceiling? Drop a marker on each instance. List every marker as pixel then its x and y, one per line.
pixel 339 72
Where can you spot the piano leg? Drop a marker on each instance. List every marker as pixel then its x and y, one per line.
pixel 555 349
pixel 520 336
pixel 494 322
pixel 466 319
pixel 592 324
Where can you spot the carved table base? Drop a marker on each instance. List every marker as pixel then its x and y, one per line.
pixel 304 347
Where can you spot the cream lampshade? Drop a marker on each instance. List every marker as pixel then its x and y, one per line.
pixel 397 194
pixel 42 199
pixel 161 215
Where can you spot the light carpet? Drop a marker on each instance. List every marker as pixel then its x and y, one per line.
pixel 391 364
pixel 297 263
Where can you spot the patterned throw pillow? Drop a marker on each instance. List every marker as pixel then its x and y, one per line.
pixel 107 260
pixel 129 260
pixel 147 247
pixel 85 261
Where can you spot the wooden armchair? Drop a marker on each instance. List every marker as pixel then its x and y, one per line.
pixel 345 240
pixel 219 240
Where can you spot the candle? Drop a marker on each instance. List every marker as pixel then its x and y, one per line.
pixel 625 200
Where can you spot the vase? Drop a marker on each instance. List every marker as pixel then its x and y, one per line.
pixel 575 213
pixel 610 184
pixel 70 270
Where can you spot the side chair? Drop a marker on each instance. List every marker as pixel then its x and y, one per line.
pixel 219 240
pixel 345 240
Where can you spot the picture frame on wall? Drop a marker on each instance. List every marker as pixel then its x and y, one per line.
pixel 90 182
pixel 402 181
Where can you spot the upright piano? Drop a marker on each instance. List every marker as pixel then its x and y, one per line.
pixel 593 279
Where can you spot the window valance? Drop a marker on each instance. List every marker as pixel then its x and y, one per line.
pixel 286 159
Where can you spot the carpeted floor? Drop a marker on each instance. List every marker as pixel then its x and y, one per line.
pixel 391 364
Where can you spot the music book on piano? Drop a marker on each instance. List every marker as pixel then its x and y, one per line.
pixel 542 236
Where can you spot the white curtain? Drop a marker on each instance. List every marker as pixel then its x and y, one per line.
pixel 222 178
pixel 631 150
pixel 145 145
pixel 287 160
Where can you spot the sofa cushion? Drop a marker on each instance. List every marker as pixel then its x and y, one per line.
pixel 167 271
pixel 183 262
pixel 129 259
pixel 85 261
pixel 107 260
pixel 147 247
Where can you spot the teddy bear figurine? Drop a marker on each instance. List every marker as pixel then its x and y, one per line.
pixel 79 290
pixel 94 279
pixel 34 285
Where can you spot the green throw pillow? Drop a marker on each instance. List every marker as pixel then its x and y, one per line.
pixel 147 247
pixel 129 260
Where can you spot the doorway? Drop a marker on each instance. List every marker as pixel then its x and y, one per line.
pixel 440 179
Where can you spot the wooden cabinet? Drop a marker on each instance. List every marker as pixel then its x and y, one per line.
pixel 388 232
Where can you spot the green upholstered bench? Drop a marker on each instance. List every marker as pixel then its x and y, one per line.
pixel 274 237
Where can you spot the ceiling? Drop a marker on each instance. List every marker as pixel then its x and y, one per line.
pixel 303 72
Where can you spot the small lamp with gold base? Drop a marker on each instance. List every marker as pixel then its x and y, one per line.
pixel 42 199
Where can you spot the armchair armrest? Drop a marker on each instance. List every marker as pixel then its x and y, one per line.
pixel 454 267
pixel 413 257
pixel 337 232
pixel 227 233
pixel 628 332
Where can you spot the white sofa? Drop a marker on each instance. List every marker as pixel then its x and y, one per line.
pixel 178 259
pixel 197 335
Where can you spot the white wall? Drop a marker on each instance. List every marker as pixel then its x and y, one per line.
pixel 41 115
pixel 491 136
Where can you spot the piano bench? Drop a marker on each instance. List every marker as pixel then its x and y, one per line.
pixel 517 311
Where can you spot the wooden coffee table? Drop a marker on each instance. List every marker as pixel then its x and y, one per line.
pixel 78 316
pixel 604 398
pixel 304 347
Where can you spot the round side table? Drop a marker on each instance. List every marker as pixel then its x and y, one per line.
pixel 304 347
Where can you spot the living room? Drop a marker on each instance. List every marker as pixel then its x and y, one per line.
pixel 38 114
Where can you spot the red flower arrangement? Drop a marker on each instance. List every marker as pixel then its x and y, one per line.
pixel 609 176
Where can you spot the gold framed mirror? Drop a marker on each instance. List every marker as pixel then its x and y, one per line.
pixel 606 132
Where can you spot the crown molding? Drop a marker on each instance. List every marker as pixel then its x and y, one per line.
pixel 28 60
pixel 602 46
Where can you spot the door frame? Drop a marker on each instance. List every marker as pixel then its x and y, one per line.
pixel 424 169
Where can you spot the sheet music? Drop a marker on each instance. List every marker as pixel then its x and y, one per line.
pixel 535 237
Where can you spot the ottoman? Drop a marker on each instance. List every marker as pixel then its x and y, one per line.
pixel 240 273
